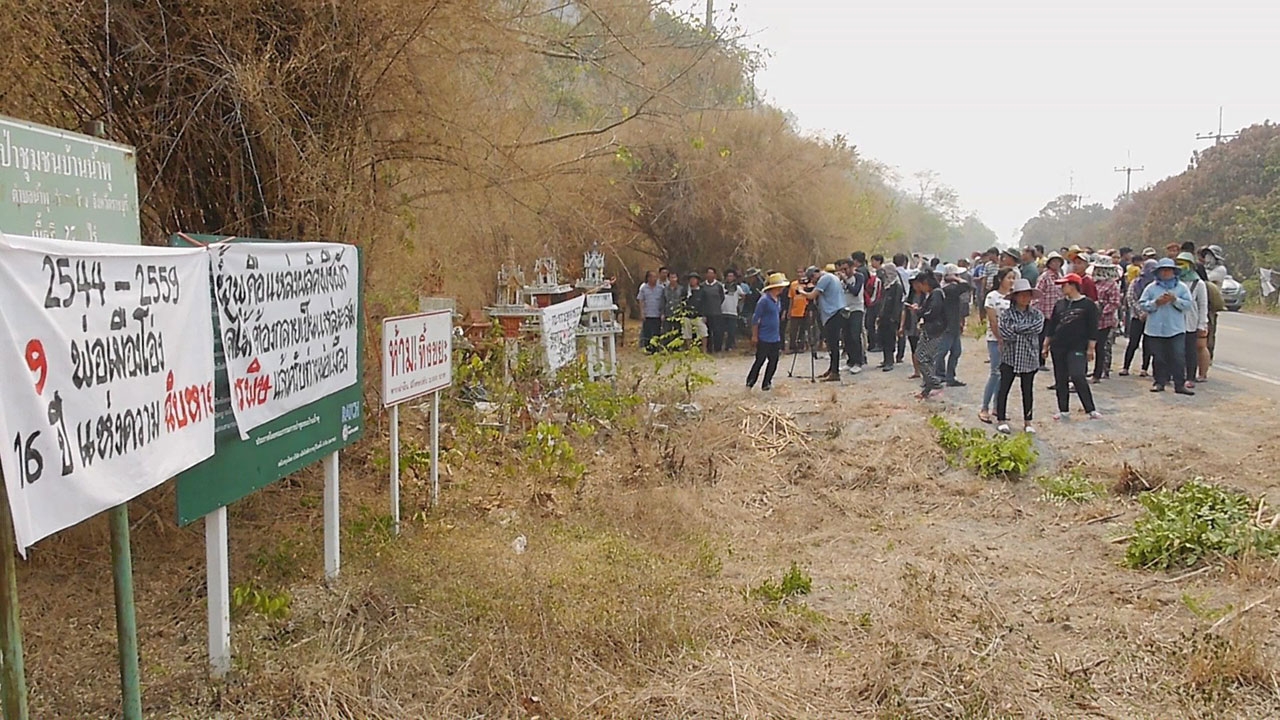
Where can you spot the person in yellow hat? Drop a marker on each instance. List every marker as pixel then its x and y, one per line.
pixel 766 331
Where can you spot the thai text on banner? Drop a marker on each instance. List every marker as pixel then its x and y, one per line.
pixel 106 358
pixel 287 314
pixel 560 331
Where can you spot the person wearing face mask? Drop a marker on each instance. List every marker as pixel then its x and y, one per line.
pixel 1198 319
pixel 1167 302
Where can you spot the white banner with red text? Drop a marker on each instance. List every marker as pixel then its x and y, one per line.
pixel 560 331
pixel 287 316
pixel 106 360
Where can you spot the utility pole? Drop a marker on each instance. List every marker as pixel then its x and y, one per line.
pixel 1128 171
pixel 711 28
pixel 1217 137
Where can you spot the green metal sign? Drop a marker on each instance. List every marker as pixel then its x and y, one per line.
pixel 279 448
pixel 67 186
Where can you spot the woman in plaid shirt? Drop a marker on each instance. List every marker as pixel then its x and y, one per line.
pixel 1020 327
pixel 1048 292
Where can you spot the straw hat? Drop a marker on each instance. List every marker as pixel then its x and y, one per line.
pixel 777 280
pixel 1021 285
pixel 830 267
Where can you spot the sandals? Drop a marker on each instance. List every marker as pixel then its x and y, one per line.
pixel 984 416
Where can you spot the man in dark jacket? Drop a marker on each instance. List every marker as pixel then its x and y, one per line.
pixel 955 306
pixel 712 304
pixel 892 297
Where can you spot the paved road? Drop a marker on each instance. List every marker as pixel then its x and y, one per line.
pixel 1249 345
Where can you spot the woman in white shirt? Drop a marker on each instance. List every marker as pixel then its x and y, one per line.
pixel 997 302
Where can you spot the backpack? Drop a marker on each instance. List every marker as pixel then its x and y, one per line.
pixel 871 290
pixel 1216 302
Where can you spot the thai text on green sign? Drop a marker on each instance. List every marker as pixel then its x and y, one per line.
pixel 67 186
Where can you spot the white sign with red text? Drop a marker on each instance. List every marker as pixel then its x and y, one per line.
pixel 287 314
pixel 417 355
pixel 106 360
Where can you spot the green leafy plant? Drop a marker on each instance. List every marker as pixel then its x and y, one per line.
pixel 1201 608
pixel 795 581
pixel 997 456
pixel 1001 456
pixel 1070 487
pixel 273 605
pixel 679 371
pixel 952 436
pixel 1194 523
pixel 588 400
pixel 549 452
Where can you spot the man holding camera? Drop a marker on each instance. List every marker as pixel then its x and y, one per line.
pixel 828 293
pixel 854 278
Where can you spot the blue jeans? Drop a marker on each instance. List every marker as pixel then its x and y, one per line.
pixel 949 347
pixel 993 380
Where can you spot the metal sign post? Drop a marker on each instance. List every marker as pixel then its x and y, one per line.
pixel 126 621
pixel 395 469
pixel 13 679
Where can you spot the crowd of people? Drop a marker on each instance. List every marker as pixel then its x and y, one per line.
pixel 1063 309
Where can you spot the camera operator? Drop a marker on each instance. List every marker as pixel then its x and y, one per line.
pixel 828 292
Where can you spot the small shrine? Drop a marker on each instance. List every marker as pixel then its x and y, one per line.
pixel 546 289
pixel 512 313
pixel 600 328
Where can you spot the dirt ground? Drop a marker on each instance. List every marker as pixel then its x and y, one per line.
pixel 935 594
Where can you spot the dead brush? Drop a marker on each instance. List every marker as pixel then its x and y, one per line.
pixel 1133 481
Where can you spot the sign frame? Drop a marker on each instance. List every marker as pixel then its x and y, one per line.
pixel 392 323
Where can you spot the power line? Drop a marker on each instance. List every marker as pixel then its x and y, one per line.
pixel 1128 171
pixel 1217 137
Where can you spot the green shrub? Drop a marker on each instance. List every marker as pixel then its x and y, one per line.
pixel 273 605
pixel 998 456
pixel 795 581
pixel 1071 487
pixel 549 452
pixel 1194 523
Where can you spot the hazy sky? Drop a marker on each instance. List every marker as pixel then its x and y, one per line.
pixel 1007 99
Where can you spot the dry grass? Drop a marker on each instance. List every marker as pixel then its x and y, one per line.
pixel 935 594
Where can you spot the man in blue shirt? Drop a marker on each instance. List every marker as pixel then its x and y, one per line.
pixel 651 301
pixel 828 292
pixel 766 331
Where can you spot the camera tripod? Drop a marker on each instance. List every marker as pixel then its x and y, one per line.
pixel 812 335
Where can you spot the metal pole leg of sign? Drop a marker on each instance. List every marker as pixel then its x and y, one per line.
pixel 332 549
pixel 126 621
pixel 395 469
pixel 13 679
pixel 218 585
pixel 435 449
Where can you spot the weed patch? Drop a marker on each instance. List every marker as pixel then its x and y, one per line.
pixel 997 456
pixel 271 604
pixel 795 581
pixel 549 452
pixel 1194 523
pixel 1070 487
